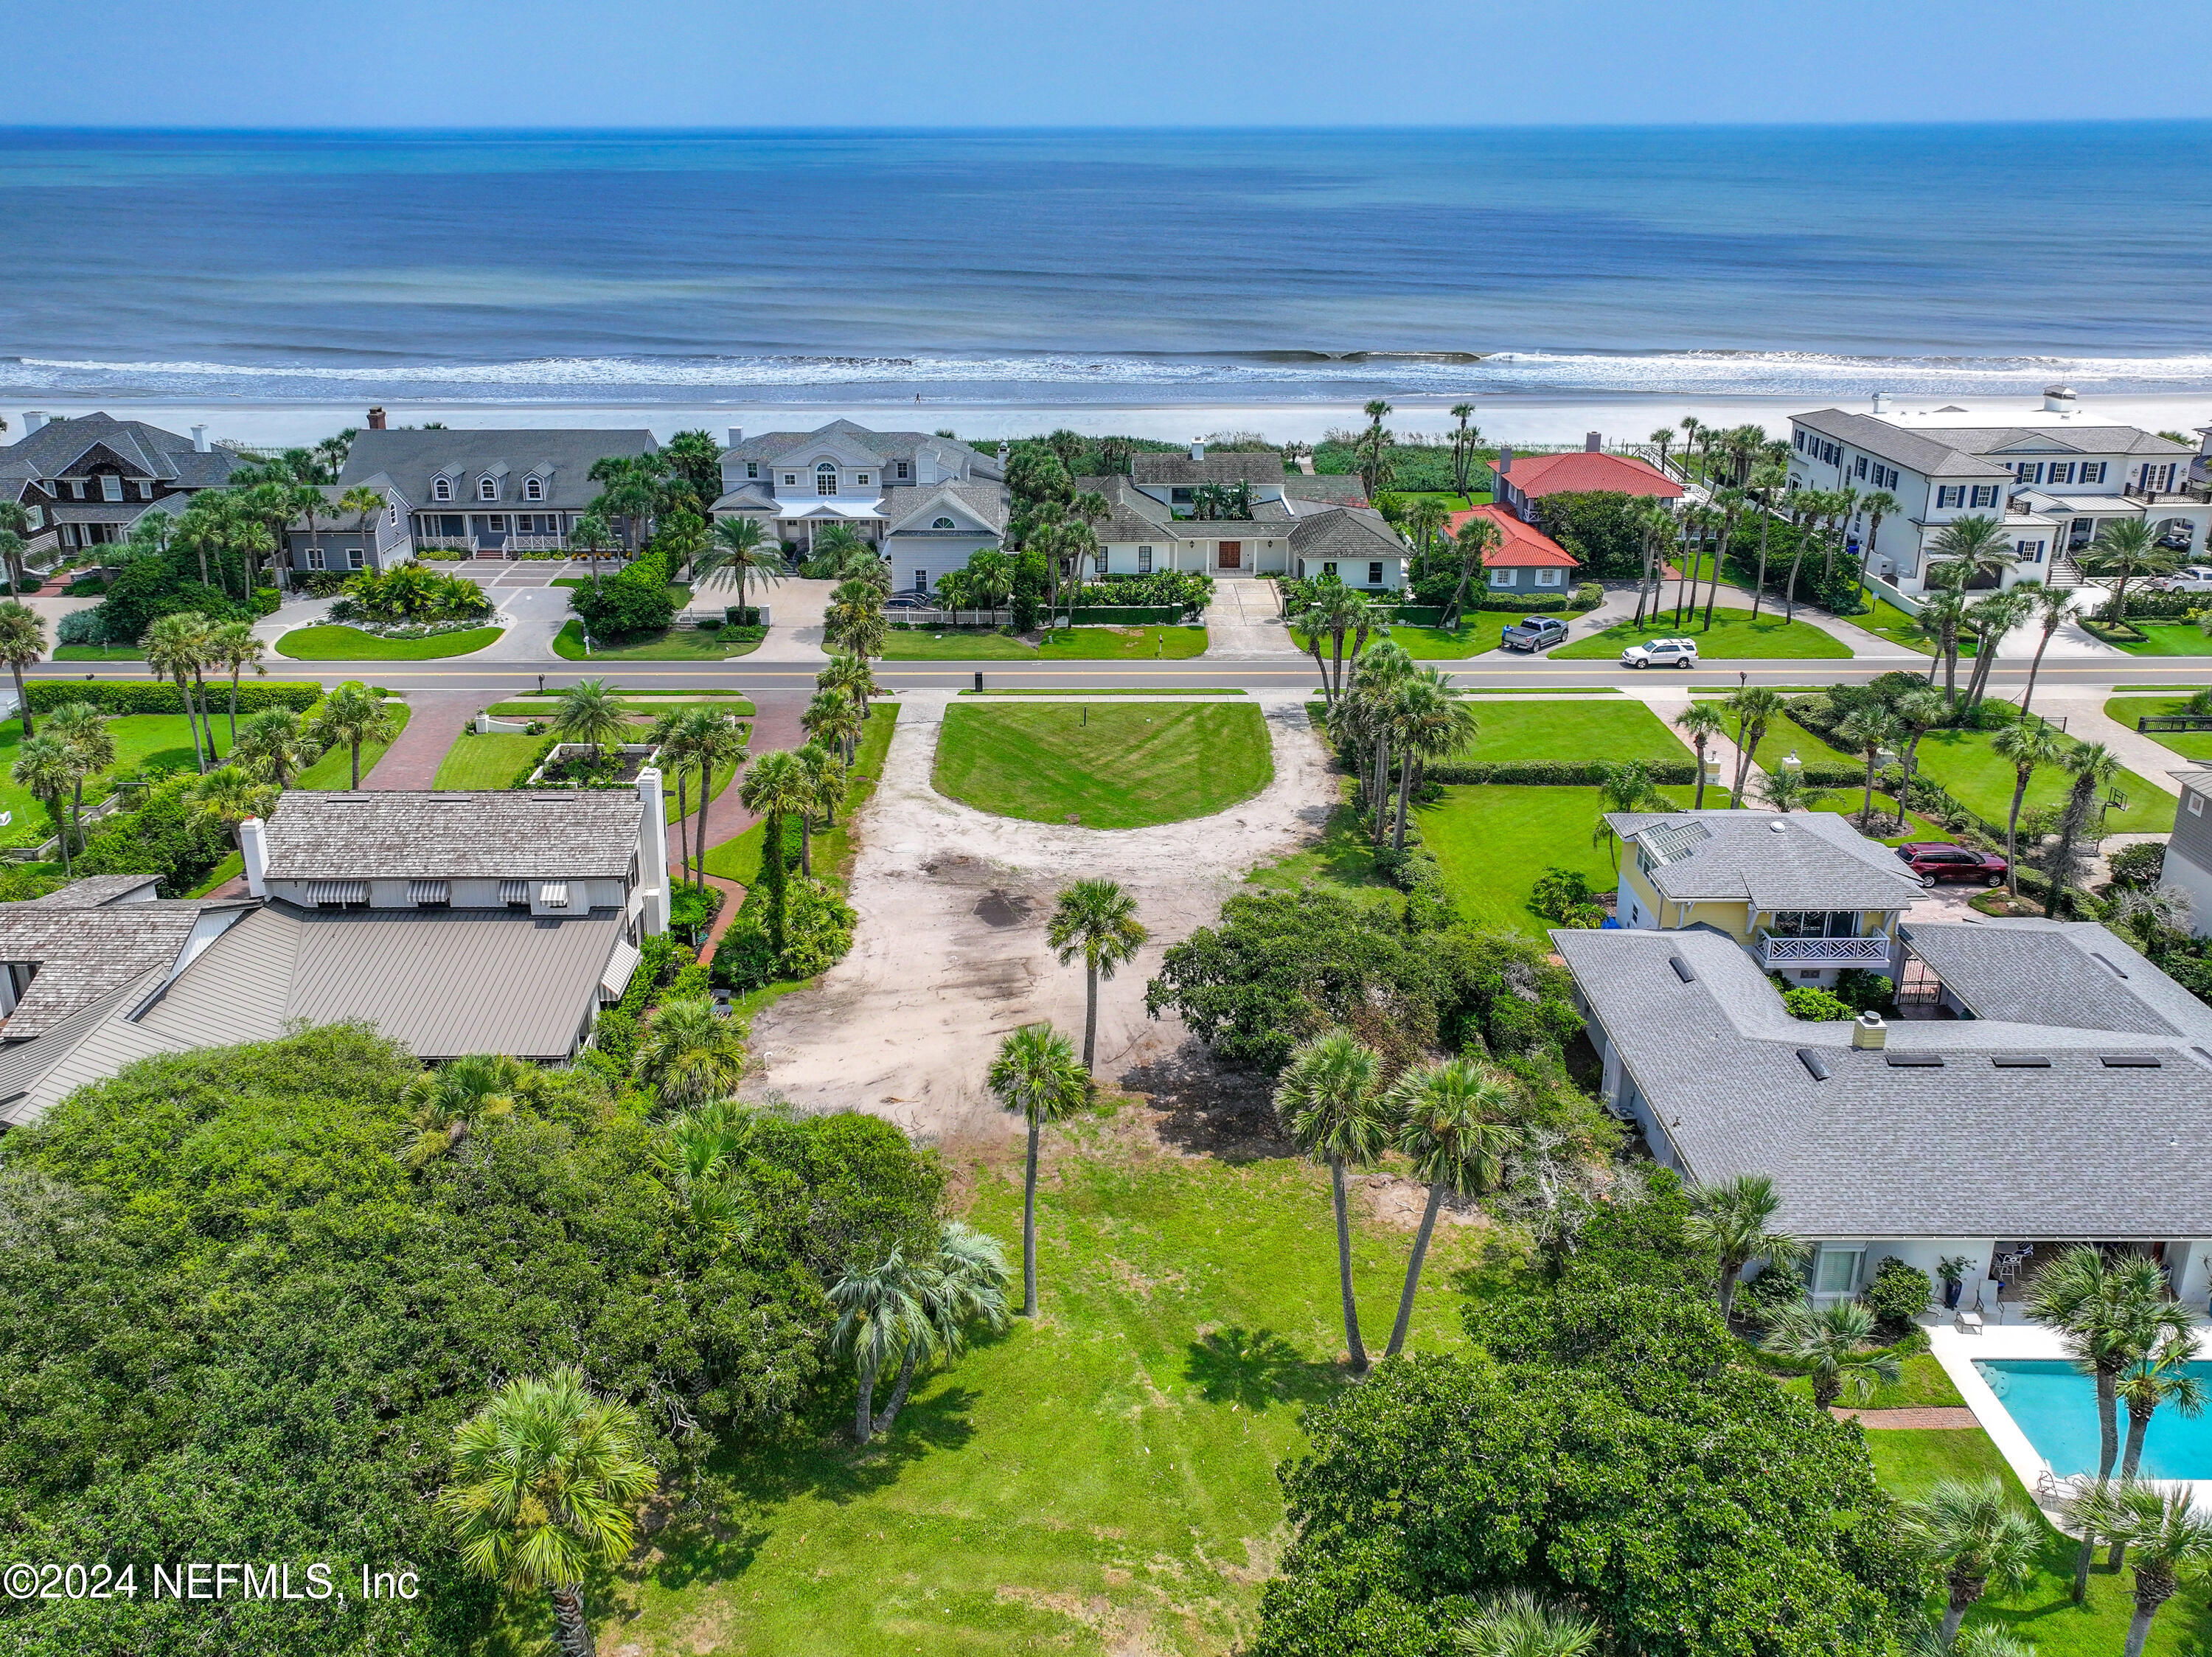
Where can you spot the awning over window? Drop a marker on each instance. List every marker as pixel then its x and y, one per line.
pixel 426 892
pixel 553 894
pixel 621 966
pixel 514 891
pixel 337 891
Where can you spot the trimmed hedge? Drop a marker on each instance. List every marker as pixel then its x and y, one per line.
pixel 2152 606
pixel 1550 773
pixel 741 615
pixel 1125 615
pixel 135 696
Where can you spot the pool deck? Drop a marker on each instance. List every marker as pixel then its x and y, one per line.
pixel 1956 1350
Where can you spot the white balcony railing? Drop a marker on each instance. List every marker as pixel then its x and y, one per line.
pixel 1822 951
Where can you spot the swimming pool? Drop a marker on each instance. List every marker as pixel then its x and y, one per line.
pixel 2055 1406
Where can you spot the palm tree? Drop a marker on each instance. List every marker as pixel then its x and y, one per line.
pixel 1868 731
pixel 774 790
pixel 1831 1340
pixel 1753 708
pixel 365 504
pixel 717 740
pixel 2173 1540
pixel 448 1103
pixel 22 644
pixel 1036 1074
pixel 1991 619
pixel 14 525
pixel 230 794
pixel 1970 1530
pixel 1427 720
pixel 46 769
pixel 1472 541
pixel 1734 1220
pixel 273 746
pixel 1518 1622
pixel 832 719
pixel 2165 1376
pixel 2112 1313
pixel 2125 548
pixel 591 533
pixel 1991 1640
pixel 545 1477
pixel 1097 921
pixel 591 713
pixel 1463 441
pixel 1361 722
pixel 1446 1118
pixel 1701 722
pixel 1624 786
pixel 1335 610
pixel 1662 439
pixel 880 1316
pixel 1763 485
pixel 233 647
pixel 702 1152
pixel 2026 745
pixel 1942 614
pixel 850 676
pixel 741 544
pixel 1731 502
pixel 672 737
pixel 2093 766
pixel 826 787
pixel 1877 504
pixel 2050 605
pixel 965 1284
pixel 354 714
pixel 83 730
pixel 1327 1099
pixel 1917 713
pixel 1372 449
pixel 175 647
pixel 689 1053
pixel 1787 789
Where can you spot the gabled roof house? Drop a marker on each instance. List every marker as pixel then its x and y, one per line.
pixel 85 480
pixel 1525 559
pixel 491 492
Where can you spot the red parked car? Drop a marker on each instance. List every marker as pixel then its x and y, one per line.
pixel 1939 860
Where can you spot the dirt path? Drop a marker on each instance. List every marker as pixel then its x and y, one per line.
pixel 950 953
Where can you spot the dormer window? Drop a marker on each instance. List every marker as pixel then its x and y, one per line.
pixel 441 489
pixel 752 469
pixel 943 523
pixel 902 468
pixel 791 480
pixel 860 476
pixel 487 489
pixel 533 488
pixel 825 479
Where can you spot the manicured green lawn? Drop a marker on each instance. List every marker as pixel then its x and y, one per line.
pixel 98 653
pixel 2190 745
pixel 335 769
pixel 1494 841
pixel 1102 1478
pixel 1452 502
pixel 1893 624
pixel 152 741
pixel 1185 690
pixel 494 760
pixel 2167 638
pixel 1571 731
pixel 1477 637
pixel 739 858
pixel 1921 1385
pixel 1909 1461
pixel 334 643
pixel 1066 644
pixel 677 644
pixel 1964 763
pixel 1111 766
pixel 1734 636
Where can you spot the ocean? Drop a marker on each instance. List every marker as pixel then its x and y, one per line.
pixel 1095 268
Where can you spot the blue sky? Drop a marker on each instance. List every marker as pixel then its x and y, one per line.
pixel 1025 62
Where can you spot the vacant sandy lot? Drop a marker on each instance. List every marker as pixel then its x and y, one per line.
pixel 950 953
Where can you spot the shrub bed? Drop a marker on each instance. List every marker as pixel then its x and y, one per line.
pixel 132 697
pixel 1551 773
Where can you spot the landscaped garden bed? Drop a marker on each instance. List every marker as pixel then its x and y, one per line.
pixel 1125 765
pixel 1152 643
pixel 670 644
pixel 330 642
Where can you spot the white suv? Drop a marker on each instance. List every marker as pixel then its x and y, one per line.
pixel 1661 653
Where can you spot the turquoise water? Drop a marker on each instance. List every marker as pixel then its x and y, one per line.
pixel 2055 1406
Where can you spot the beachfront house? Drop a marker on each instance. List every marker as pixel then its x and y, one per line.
pixel 1523 480
pixel 346 540
pixel 490 494
pixel 2188 851
pixel 1801 894
pixel 84 481
pixel 2046 1086
pixel 1525 562
pixel 2055 473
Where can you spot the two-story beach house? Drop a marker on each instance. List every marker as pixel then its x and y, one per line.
pixel 1525 560
pixel 490 494
pixel 86 480
pixel 346 540
pixel 1801 894
pixel 1523 480
pixel 2054 473
pixel 2055 1089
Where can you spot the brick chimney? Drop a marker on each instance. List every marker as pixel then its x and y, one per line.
pixel 376 419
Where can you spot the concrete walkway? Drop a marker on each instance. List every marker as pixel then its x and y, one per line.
pixel 2086 719
pixel 1669 707
pixel 1242 623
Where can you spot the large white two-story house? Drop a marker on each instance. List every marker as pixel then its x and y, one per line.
pixel 488 493
pixel 2055 473
pixel 86 480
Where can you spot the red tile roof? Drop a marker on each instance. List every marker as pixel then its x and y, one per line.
pixel 1519 545
pixel 1581 472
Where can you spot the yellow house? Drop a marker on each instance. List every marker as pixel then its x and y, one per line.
pixel 1803 893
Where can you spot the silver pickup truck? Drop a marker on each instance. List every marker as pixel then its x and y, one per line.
pixel 1533 633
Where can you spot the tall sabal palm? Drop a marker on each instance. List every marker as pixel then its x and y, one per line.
pixel 594 535
pixel 1424 523
pixel 1765 483
pixel 1917 713
pixel 1096 921
pixel 2026 745
pixel 672 738
pixel 1658 530
pixel 2172 1541
pixel 2049 607
pixel 1734 1220
pixel 1472 543
pixel 230 794
pixel 1361 722
pixel 826 786
pixel 716 742
pixel 1753 708
pixel 689 1053
pixel 367 505
pixel 1730 503
pixel 1519 1623
pixel 1877 504
pixel 15 527
pixel 1662 439
pixel 1831 1342
pixel 1990 619
pixel 448 1103
pixel 1868 732
pixel 355 715
pixel 1447 1120
pixel 84 731
pixel 590 713
pixel 2093 766
pixel 273 746
pixel 46 769
pixel 1429 719
pixel 833 720
pixel 1328 1098
pixel 1701 722
pixel 1332 611
pixel 741 546
pixel 1036 1075
pixel 850 676
pixel 1697 522
pixel 2165 1376
pixel 2112 1312
pixel 1465 436
pixel 2125 548
pixel 776 789
pixel 880 1316
pixel 1970 1530
pixel 546 1478
pixel 1371 450
pixel 22 644
pixel 176 649
pixel 965 1284
pixel 233 647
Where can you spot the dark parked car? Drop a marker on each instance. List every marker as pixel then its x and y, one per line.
pixel 1939 860
pixel 1533 633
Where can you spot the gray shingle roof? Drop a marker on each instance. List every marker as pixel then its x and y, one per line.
pixel 561 457
pixel 1877 1150
pixel 1345 532
pixel 1801 861
pixel 1131 516
pixel 1922 452
pixel 892 446
pixel 988 501
pixel 149 451
pixel 1215 466
pixel 87 947
pixel 1339 489
pixel 2024 970
pixel 575 834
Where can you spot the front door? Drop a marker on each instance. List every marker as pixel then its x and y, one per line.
pixel 1232 554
